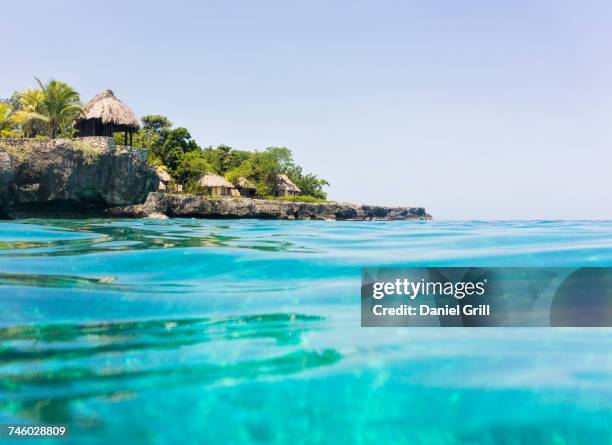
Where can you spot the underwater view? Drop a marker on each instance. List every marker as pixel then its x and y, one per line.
pixel 148 331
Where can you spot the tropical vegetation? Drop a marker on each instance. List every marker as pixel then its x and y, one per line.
pixel 6 121
pixel 46 111
pixel 49 111
pixel 61 105
pixel 31 114
pixel 186 161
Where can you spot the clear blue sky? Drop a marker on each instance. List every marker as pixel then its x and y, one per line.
pixel 473 109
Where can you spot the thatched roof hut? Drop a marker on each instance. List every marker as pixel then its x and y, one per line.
pixel 163 175
pixel 217 185
pixel 105 114
pixel 212 180
pixel 164 179
pixel 245 183
pixel 285 186
pixel 246 187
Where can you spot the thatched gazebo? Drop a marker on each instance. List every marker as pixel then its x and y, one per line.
pixel 246 187
pixel 104 115
pixel 216 185
pixel 285 186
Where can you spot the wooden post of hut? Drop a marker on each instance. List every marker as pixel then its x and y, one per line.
pixel 104 115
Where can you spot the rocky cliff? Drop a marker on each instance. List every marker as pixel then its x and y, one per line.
pixel 45 177
pixel 77 177
pixel 173 205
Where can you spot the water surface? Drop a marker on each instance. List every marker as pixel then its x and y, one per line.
pixel 248 331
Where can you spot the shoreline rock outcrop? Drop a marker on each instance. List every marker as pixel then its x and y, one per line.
pixel 185 205
pixel 92 176
pixel 42 177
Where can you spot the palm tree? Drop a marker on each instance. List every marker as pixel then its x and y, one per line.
pixel 31 109
pixel 6 122
pixel 61 105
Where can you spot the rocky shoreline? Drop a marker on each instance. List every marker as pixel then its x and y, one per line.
pixel 162 205
pixel 82 176
pixel 92 176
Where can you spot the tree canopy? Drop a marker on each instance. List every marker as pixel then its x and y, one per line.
pixel 61 105
pixel 187 162
pixel 6 123
pixel 31 113
pixel 48 110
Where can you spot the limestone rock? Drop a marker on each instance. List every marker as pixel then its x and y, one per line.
pixel 42 176
pixel 185 205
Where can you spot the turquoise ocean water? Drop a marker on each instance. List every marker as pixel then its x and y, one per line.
pixel 248 331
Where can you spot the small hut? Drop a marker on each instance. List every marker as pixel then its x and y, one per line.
pixel 164 179
pixel 246 187
pixel 285 187
pixel 216 185
pixel 105 115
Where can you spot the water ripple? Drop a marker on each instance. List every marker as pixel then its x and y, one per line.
pixel 120 327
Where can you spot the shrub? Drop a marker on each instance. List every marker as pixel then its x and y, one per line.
pixel 301 198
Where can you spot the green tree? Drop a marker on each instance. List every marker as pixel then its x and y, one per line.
pixel 245 169
pixel 224 158
pixel 13 101
pixel 150 136
pixel 61 104
pixel 283 157
pixel 175 144
pixel 6 121
pixel 191 167
pixel 154 130
pixel 262 169
pixel 155 124
pixel 30 114
pixel 213 157
pixel 309 183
